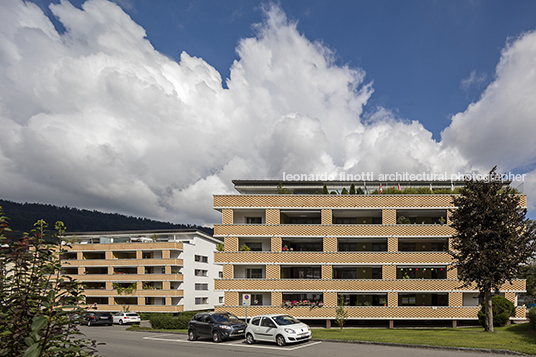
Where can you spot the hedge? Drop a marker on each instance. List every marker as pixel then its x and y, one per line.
pixel 502 310
pixel 532 318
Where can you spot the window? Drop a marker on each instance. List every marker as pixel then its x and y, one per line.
pixel 201 258
pixel 220 274
pixel 221 299
pixel 254 273
pixel 200 272
pixel 254 220
pixel 201 300
pixel 201 286
pixel 255 321
pixel 256 299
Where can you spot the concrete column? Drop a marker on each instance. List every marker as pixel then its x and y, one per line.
pixel 452 272
pixel 328 323
pixel 166 285
pixel 81 270
pixel 168 301
pixel 79 255
pixel 327 216
pixel 111 300
pixel 455 299
pixel 139 254
pixel 231 298
pixel 330 244
pixel 109 285
pixel 228 271
pixel 327 271
pixel 110 270
pixel 141 300
pixel 165 254
pixel 273 271
pixel 139 285
pixel 391 324
pixel 330 298
pixel 392 299
pixel 276 244
pixel 141 269
pixel 277 298
pixel 273 216
pixel 454 323
pixel 167 269
pixel 388 272
pixel 231 244
pixel 388 216
pixel 392 244
pixel 227 216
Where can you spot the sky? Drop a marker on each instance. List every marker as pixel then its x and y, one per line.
pixel 148 108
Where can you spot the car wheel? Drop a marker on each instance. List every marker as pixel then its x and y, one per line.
pixel 249 339
pixel 109 324
pixel 280 340
pixel 89 323
pixel 120 322
pixel 216 336
pixel 192 336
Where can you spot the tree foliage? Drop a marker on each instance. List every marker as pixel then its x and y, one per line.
pixel 341 315
pixel 39 307
pixel 493 236
pixel 502 310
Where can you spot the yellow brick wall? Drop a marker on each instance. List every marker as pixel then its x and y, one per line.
pixel 389 272
pixel 452 272
pixel 392 299
pixel 330 298
pixel 455 299
pixel 276 244
pixel 511 297
pixel 449 216
pixel 228 271
pixel 273 271
pixel 231 298
pixel 277 298
pixel 330 244
pixel 227 216
pixel 392 244
pixel 327 216
pixel 231 244
pixel 327 271
pixel 273 216
pixel 388 216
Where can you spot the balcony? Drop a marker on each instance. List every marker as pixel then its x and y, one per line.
pixel 301 272
pixel 378 285
pixel 421 216
pixel 300 217
pixel 120 262
pixel 317 230
pixel 288 257
pixel 128 277
pixel 357 216
pixel 361 245
pixel 357 272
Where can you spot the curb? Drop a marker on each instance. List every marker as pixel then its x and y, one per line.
pixel 450 348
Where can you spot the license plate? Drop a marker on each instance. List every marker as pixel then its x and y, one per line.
pixel 104 318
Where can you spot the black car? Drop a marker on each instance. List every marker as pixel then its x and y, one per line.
pixel 218 325
pixel 97 318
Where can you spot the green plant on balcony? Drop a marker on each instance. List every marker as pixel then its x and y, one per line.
pixel 220 247
pixel 175 271
pixel 128 290
pixel 403 220
pixel 245 248
pixel 442 220
pixel 283 190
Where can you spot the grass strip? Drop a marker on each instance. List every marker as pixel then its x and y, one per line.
pixel 518 337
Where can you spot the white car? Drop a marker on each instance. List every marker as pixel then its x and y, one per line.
pixel 126 318
pixel 278 328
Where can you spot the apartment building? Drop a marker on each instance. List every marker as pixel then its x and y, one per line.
pixel 385 255
pixel 146 271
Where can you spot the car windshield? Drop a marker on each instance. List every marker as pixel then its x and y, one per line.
pixel 132 315
pixel 285 320
pixel 225 318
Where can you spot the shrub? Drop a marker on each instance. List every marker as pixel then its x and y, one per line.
pixel 502 310
pixel 168 322
pixel 532 318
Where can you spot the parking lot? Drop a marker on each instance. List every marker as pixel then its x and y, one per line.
pixel 233 343
pixel 115 341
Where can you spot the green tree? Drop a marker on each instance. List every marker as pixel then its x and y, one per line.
pixel 341 315
pixel 502 310
pixel 359 191
pixel 282 190
pixel 39 307
pixel 344 191
pixel 352 189
pixel 220 247
pixel 325 190
pixel 493 237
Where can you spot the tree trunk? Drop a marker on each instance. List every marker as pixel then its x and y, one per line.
pixel 488 309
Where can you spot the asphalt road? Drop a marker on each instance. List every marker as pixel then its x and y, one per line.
pixel 117 342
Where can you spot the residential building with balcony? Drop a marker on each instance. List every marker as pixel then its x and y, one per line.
pixel 384 255
pixel 146 271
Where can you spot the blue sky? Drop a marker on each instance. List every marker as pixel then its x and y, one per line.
pixel 149 107
pixel 416 52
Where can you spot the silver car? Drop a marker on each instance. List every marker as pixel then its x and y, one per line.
pixel 278 328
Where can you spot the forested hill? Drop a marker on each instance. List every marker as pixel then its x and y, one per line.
pixel 22 217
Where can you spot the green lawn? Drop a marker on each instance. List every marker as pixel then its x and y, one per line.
pixel 514 338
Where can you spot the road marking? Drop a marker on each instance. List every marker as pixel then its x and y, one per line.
pixel 242 344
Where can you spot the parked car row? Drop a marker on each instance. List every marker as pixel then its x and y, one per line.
pixel 219 326
pixel 93 318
